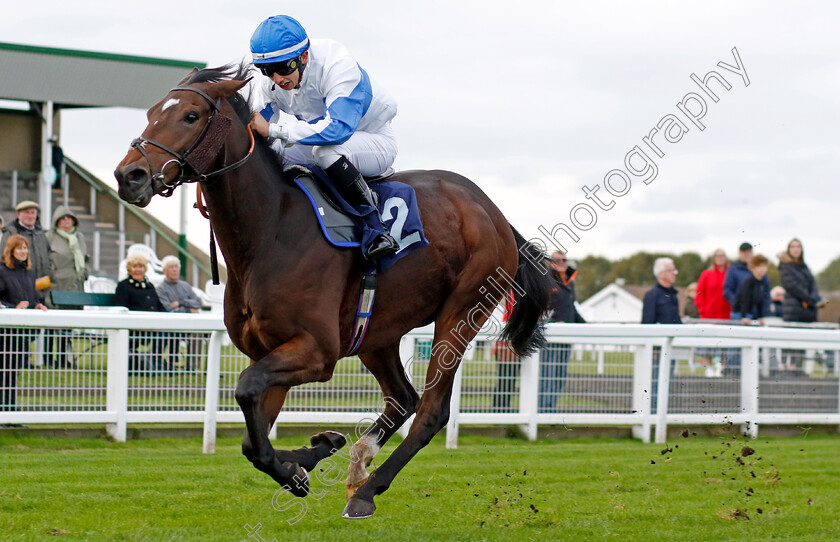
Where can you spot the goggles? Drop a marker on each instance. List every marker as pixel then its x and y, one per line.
pixel 280 68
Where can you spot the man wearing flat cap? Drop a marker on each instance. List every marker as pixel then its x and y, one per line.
pixel 26 224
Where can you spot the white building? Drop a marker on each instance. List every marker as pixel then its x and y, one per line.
pixel 612 304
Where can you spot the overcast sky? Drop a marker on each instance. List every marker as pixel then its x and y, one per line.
pixel 536 100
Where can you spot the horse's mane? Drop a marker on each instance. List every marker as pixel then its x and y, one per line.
pixel 228 72
pixel 242 104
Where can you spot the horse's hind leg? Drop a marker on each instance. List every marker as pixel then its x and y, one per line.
pixel 400 402
pixel 323 444
pixel 432 411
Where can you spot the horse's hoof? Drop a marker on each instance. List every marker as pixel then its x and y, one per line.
pixel 358 509
pixel 299 486
pixel 330 438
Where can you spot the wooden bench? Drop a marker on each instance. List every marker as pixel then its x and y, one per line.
pixel 67 300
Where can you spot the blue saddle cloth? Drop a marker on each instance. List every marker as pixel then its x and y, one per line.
pixel 344 225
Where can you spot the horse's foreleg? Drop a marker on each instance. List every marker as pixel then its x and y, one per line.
pixel 260 393
pixel 400 402
pixel 271 401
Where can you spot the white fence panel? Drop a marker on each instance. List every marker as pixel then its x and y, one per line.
pixel 120 368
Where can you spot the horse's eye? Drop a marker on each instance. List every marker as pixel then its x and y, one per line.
pixel 191 117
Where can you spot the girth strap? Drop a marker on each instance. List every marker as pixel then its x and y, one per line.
pixel 364 312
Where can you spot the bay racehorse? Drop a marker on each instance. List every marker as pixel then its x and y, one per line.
pixel 291 298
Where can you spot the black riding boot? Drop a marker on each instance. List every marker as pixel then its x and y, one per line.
pixel 356 191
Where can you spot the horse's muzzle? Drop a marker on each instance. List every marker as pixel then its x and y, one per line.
pixel 134 183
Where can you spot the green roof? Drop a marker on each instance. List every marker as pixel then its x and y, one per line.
pixel 87 78
pixel 100 56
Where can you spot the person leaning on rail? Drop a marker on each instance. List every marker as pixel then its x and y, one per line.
pixel 137 293
pixel 17 291
pixel 26 224
pixel 322 108
pixel 68 272
pixel 554 357
pixel 177 295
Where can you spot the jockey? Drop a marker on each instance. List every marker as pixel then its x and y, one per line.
pixel 321 108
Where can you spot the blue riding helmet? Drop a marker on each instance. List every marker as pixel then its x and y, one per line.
pixel 277 39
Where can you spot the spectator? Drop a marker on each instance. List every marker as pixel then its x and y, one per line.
pixel 57 161
pixel 554 358
pixel 26 224
pixel 709 300
pixel 176 295
pixel 777 297
pixel 802 298
pixel 17 290
pixel 138 294
pixel 690 309
pixel 68 272
pixel 508 367
pixel 68 252
pixel 736 273
pixel 752 302
pixel 660 304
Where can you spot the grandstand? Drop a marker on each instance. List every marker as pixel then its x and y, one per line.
pixel 30 113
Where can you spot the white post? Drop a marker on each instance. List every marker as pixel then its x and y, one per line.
pixel 600 349
pixel 121 228
pixel 153 240
pixel 749 388
pixel 454 411
pixel 211 397
pixel 765 361
pixel 48 174
pixel 117 384
pixel 642 381
pixel 662 392
pixel 38 358
pixel 14 188
pixel 92 201
pixel 529 390
pixel 65 185
pixel 97 240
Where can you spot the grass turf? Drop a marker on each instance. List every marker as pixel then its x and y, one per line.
pixel 693 488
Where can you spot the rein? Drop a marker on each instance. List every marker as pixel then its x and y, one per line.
pixel 207 144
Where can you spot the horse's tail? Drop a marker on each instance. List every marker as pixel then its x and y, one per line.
pixel 531 291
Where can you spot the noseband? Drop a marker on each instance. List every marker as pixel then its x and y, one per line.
pixel 201 155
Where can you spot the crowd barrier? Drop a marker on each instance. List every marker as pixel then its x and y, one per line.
pixel 120 368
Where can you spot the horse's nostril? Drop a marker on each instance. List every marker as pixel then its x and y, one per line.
pixel 135 175
pixel 132 176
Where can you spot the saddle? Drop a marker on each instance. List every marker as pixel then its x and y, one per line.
pixel 344 225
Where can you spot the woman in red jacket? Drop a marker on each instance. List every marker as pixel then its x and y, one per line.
pixel 710 301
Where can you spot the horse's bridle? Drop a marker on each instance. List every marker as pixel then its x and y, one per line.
pixel 217 125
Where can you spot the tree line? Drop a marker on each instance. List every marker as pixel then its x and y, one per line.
pixel 596 272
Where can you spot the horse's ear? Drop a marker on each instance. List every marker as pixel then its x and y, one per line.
pixel 187 78
pixel 223 89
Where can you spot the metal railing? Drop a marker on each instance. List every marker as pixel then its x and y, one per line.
pixel 116 368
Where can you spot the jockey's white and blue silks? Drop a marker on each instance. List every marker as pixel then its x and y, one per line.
pixel 336 98
pixel 278 38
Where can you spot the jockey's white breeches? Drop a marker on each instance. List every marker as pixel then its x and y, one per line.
pixel 371 153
